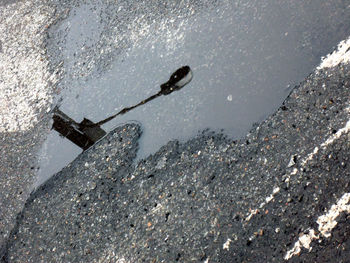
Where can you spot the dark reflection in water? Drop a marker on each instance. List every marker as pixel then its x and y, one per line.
pixel 86 133
pixel 78 133
pixel 246 55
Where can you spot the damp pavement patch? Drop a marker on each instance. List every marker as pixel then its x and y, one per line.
pixel 26 87
pixel 245 59
pixel 278 194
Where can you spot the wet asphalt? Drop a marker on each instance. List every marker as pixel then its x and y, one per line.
pixel 209 199
pixel 245 58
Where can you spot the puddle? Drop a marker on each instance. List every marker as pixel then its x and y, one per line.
pixel 245 59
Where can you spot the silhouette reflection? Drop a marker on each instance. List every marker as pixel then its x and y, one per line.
pixel 86 133
pixel 77 133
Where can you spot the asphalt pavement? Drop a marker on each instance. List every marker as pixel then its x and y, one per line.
pixel 26 96
pixel 279 194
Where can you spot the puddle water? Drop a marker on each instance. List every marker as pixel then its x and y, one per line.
pixel 245 59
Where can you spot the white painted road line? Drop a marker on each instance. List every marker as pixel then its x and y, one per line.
pixel 304 241
pixel 341 55
pixel 267 200
pixel 326 223
pixel 330 140
pixel 308 158
pixel 323 145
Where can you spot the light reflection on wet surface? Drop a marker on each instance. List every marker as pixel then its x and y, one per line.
pixel 245 59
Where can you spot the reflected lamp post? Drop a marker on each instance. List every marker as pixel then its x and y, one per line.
pixel 87 133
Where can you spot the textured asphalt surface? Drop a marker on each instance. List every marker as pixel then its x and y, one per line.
pixel 26 88
pixel 209 199
pixel 280 193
